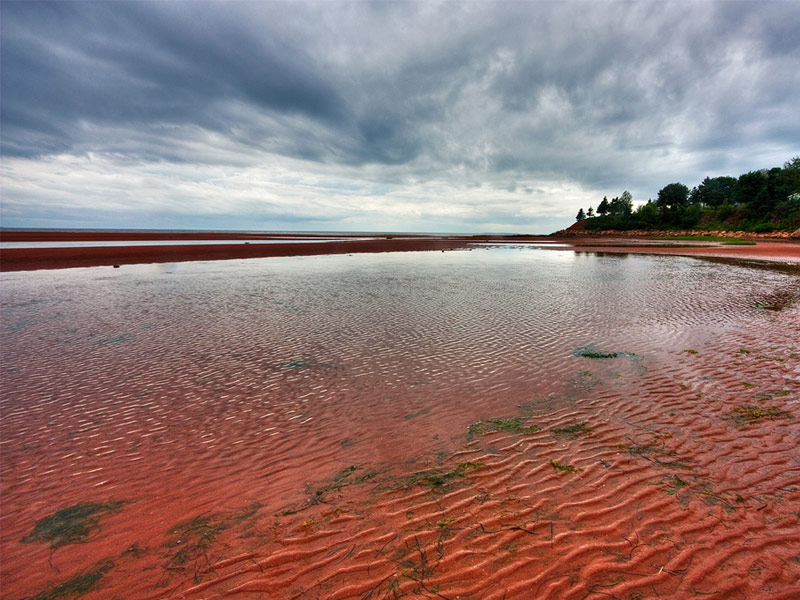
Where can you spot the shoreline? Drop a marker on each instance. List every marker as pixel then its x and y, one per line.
pixel 305 431
pixel 28 259
pixel 304 244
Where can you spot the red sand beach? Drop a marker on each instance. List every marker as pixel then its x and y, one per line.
pixel 58 258
pixel 400 426
pixel 14 259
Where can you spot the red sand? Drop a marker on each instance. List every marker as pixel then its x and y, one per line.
pixel 58 258
pixel 663 495
pixel 788 251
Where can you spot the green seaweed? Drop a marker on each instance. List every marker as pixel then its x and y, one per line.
pixel 194 536
pixel 674 483
pixel 585 381
pixel 638 450
pixel 343 478
pixel 559 467
pixel 571 430
pixel 589 351
pixel 715 498
pixel 506 425
pixel 71 525
pixel 344 473
pixel 192 539
pixel 364 477
pixel 747 414
pixel 76 586
pixel 672 464
pixel 436 479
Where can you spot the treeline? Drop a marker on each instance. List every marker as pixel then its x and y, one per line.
pixel 758 201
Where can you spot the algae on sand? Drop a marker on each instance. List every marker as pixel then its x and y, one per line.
pixel 559 467
pixel 571 430
pixel 589 351
pixel 744 415
pixel 436 479
pixel 192 538
pixel 507 425
pixel 76 586
pixel 71 525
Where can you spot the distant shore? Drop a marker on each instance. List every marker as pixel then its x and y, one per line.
pixel 290 244
pixel 26 259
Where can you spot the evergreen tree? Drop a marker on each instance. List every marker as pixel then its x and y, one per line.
pixel 761 200
pixel 580 216
pixel 626 203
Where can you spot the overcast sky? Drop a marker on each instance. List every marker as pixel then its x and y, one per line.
pixel 385 116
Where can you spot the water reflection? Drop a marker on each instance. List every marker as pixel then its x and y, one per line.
pixel 203 390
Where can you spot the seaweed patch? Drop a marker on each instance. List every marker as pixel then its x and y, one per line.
pixel 571 430
pixel 76 586
pixel 507 425
pixel 71 525
pixel 747 414
pixel 589 351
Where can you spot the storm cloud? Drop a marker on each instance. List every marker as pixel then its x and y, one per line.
pixel 382 116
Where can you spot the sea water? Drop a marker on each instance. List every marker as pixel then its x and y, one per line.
pixel 496 423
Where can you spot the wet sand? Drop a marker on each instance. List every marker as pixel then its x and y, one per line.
pixel 315 244
pixel 784 251
pixel 404 426
pixel 59 258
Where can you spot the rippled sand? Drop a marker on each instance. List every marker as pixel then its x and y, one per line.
pixel 500 423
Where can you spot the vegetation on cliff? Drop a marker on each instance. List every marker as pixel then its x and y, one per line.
pixel 761 201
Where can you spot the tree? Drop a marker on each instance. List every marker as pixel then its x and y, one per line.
pixel 714 191
pixel 603 207
pixel 580 216
pixel 672 196
pixel 647 215
pixel 622 205
pixel 748 186
pixel 590 212
pixel 790 177
pixel 671 202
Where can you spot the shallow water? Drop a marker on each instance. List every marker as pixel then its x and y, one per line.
pixel 300 427
pixel 111 244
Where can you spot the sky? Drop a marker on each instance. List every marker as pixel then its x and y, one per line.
pixel 468 117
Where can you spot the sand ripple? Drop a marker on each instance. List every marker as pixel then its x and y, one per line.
pixel 398 426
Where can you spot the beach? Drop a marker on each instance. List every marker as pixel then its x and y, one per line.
pixel 509 418
pixel 263 245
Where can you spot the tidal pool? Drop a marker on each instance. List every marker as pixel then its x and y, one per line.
pixel 497 423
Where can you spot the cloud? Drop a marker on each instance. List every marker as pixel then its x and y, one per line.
pixel 406 113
